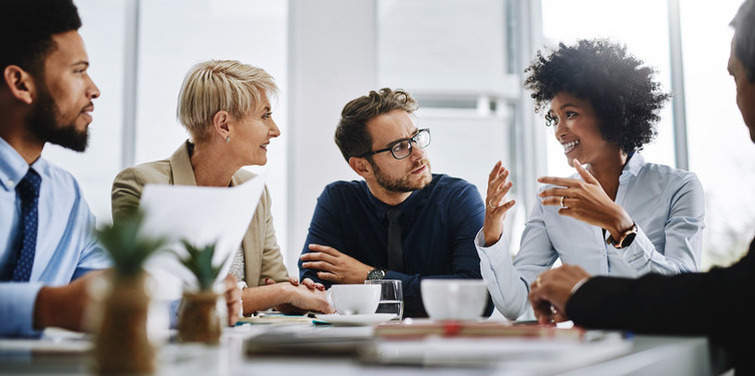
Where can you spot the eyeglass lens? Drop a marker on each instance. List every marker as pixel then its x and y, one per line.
pixel 402 149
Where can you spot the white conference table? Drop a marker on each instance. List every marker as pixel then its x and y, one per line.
pixel 606 355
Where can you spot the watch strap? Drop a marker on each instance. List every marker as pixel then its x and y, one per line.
pixel 626 238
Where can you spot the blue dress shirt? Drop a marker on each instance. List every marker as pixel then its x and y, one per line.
pixel 438 225
pixel 66 246
pixel 668 206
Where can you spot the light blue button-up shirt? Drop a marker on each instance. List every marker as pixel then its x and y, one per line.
pixel 667 205
pixel 66 246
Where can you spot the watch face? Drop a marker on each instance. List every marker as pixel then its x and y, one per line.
pixel 627 241
pixel 376 274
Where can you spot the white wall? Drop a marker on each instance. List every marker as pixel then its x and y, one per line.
pixel 331 61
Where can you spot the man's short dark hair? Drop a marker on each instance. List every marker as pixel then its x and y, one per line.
pixel 26 30
pixel 744 37
pixel 352 136
pixel 623 93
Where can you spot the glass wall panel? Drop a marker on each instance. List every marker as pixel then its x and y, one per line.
pixel 103 34
pixel 640 24
pixel 176 35
pixel 721 152
pixel 451 56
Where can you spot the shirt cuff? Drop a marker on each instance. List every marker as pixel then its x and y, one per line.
pixel 479 241
pixel 636 254
pixel 17 301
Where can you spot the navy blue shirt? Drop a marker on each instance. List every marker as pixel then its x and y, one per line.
pixel 438 227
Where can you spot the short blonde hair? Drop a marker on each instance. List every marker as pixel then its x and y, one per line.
pixel 220 85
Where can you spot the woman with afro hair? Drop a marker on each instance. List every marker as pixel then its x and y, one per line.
pixel 617 215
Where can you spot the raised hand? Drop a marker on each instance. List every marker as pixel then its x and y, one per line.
pixel 586 201
pixel 495 206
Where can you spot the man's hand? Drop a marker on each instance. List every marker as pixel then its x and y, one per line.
pixel 232 299
pixel 64 306
pixel 334 266
pixel 552 289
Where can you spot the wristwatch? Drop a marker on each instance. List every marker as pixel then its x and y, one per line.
pixel 376 274
pixel 626 238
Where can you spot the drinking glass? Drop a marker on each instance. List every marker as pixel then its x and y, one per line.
pixel 391 296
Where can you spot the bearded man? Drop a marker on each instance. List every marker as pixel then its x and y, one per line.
pixel 401 222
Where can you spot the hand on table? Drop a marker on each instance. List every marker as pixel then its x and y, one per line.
pixel 552 289
pixel 233 301
pixel 586 201
pixel 302 298
pixel 312 285
pixel 64 306
pixel 495 209
pixel 334 266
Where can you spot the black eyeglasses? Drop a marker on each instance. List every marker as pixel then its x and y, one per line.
pixel 403 148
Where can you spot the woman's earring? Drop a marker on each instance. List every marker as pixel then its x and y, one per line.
pixel 227 139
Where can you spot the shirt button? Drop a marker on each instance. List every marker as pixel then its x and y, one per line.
pixel 10 183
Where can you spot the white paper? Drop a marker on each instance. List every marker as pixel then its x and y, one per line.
pixel 201 216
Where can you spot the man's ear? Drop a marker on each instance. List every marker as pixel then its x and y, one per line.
pixel 20 83
pixel 221 123
pixel 361 166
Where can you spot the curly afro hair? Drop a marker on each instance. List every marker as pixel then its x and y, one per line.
pixel 622 92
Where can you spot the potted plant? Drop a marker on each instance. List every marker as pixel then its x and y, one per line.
pixel 122 344
pixel 202 312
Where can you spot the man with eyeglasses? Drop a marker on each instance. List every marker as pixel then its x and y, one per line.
pixel 401 222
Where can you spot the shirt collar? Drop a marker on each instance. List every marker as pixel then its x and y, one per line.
pixel 13 167
pixel 633 165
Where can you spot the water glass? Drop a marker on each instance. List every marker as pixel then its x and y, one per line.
pixel 391 296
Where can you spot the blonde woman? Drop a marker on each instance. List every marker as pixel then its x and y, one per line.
pixel 224 105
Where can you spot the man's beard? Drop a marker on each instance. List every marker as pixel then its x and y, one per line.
pixel 43 123
pixel 403 184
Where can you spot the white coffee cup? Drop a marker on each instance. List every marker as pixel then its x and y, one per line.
pixel 454 299
pixel 355 299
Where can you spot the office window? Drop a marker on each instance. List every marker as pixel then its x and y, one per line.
pixel 173 36
pixel 452 57
pixel 640 24
pixel 720 150
pixel 103 34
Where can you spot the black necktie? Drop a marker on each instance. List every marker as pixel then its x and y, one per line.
pixel 395 253
pixel 28 191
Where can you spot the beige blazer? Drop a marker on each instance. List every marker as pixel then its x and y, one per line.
pixel 262 254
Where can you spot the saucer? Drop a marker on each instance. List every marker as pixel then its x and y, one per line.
pixel 355 320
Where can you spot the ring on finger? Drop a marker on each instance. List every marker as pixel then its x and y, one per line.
pixel 538 280
pixel 562 201
pixel 490 203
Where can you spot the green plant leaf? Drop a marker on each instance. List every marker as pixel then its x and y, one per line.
pixel 128 249
pixel 199 262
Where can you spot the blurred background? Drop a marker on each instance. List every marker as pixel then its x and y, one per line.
pixel 462 60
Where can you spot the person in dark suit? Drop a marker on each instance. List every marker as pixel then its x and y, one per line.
pixel 682 304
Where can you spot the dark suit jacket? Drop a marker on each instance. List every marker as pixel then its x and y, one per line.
pixel 718 304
